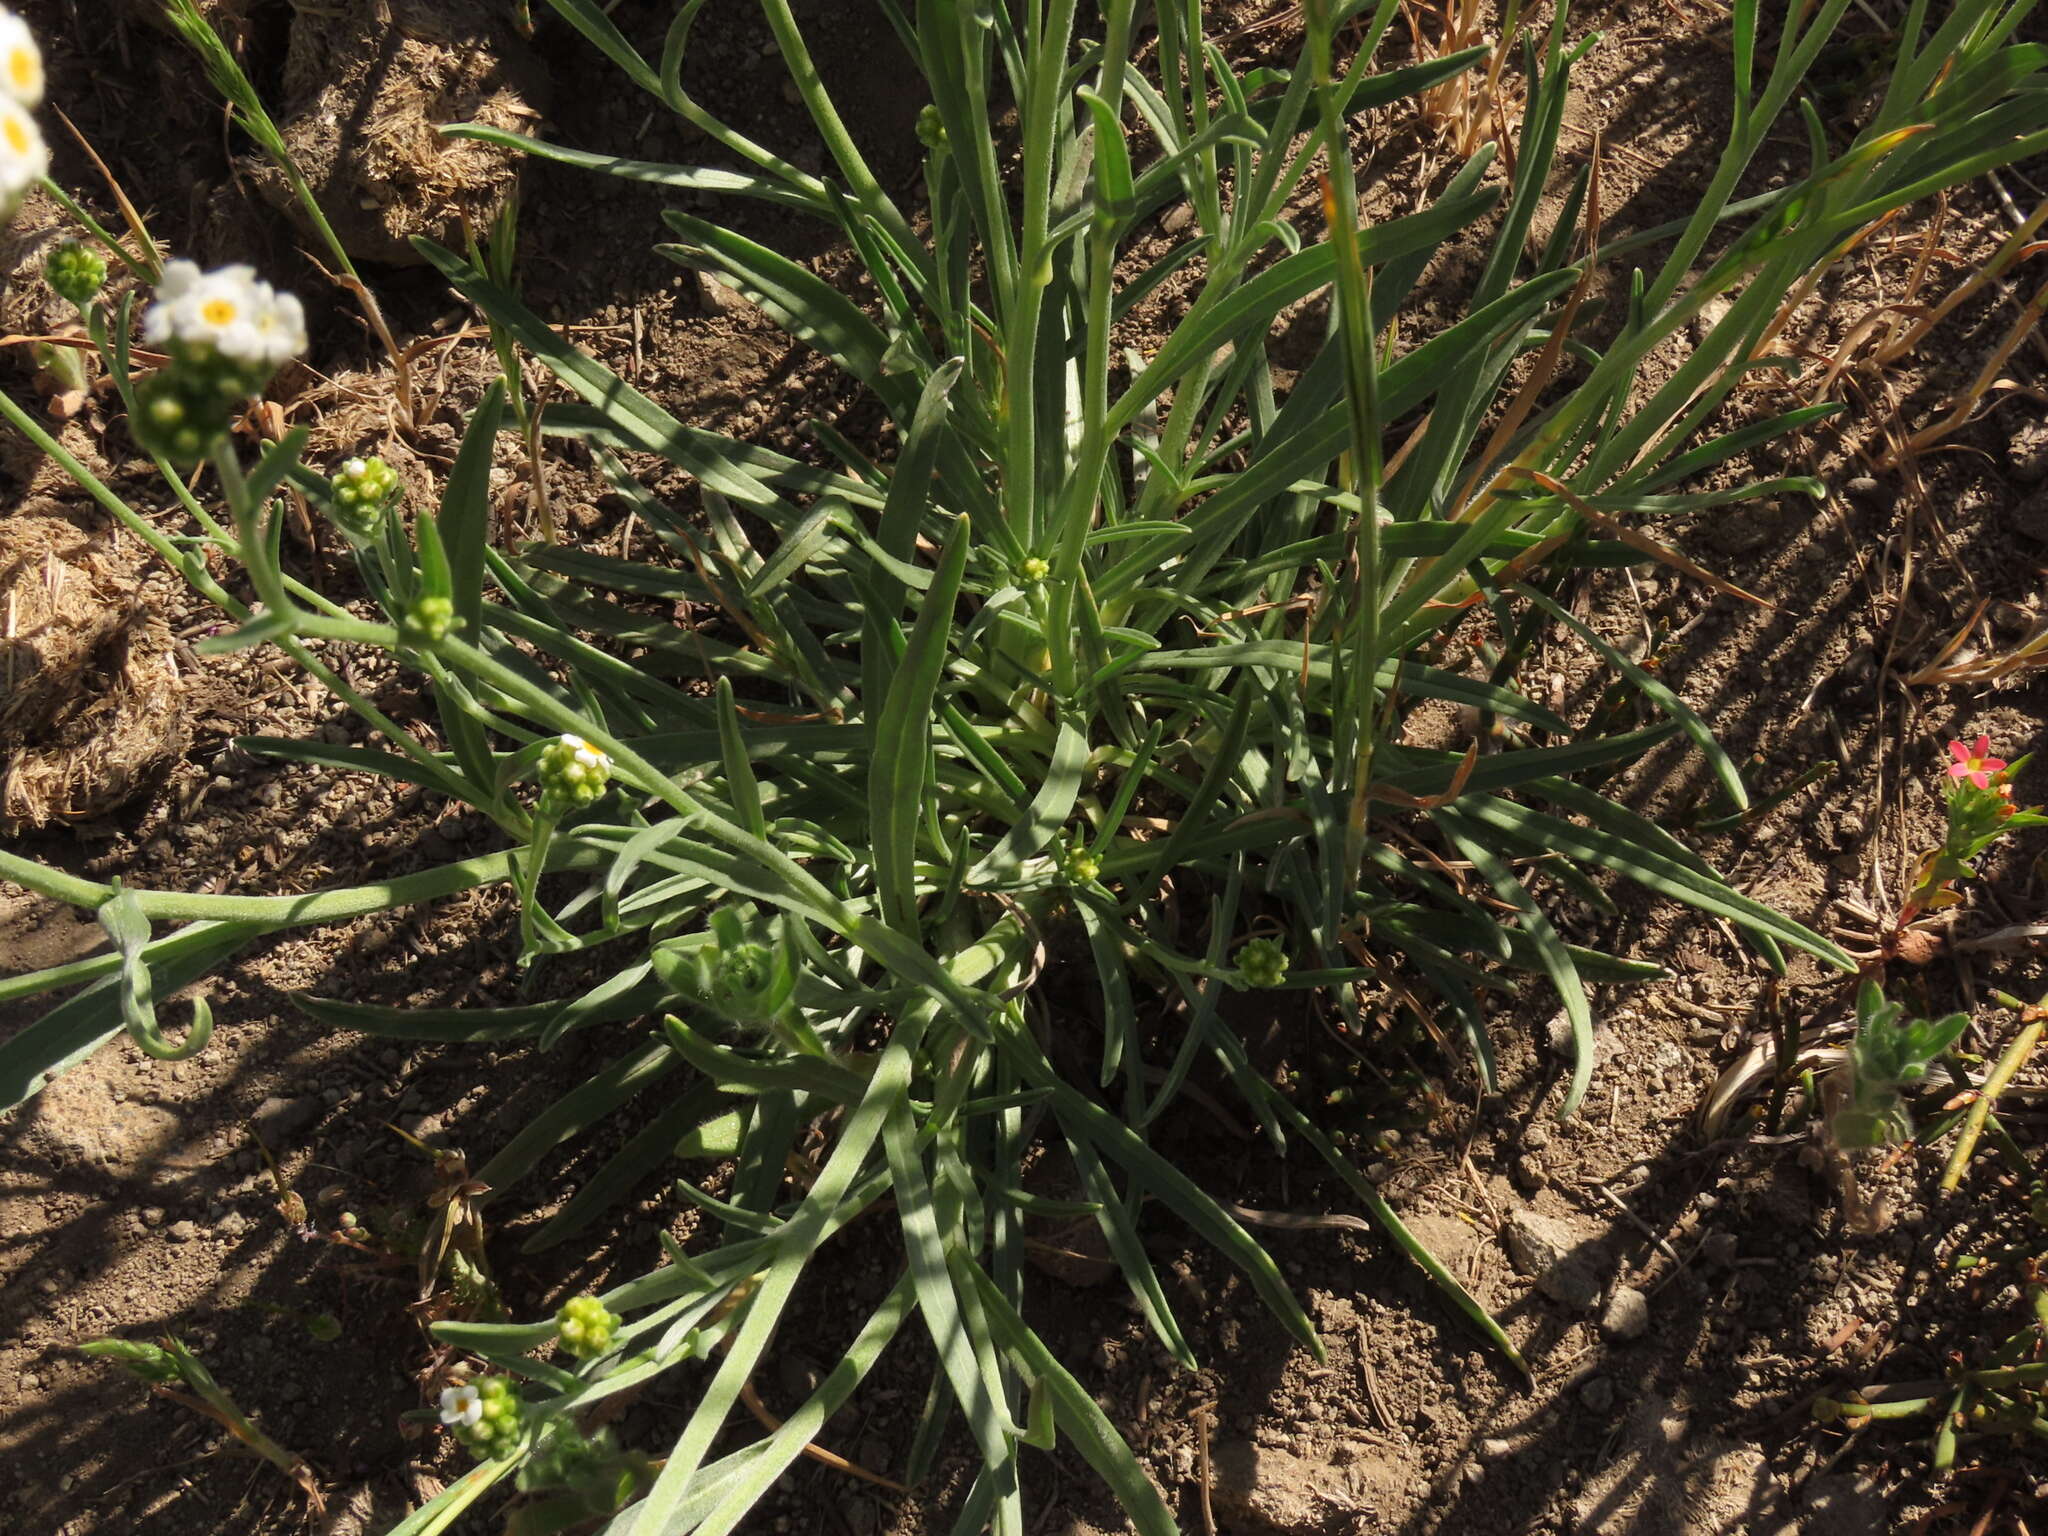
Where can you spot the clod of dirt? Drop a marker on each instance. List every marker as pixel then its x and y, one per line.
pixel 89 698
pixel 367 87
pixel 1265 1488
pixel 2029 517
pixel 1566 1267
pixel 28 306
pixel 2026 453
pixel 83 1125
pixel 1665 1480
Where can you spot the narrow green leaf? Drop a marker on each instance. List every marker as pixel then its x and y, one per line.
pixel 902 742
pixel 574 1113
pixel 741 787
pixel 680 178
pixel 1084 1424
pixel 80 1026
pixel 652 1145
pixel 464 521
pixel 1550 949
pixel 1046 814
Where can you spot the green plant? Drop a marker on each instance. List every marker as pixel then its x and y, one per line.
pixel 168 1367
pixel 1994 1385
pixel 1888 1055
pixel 1100 675
pixel 1979 811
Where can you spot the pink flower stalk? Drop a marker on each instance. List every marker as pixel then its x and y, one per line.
pixel 1974 762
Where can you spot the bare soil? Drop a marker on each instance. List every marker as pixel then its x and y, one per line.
pixel 138 1197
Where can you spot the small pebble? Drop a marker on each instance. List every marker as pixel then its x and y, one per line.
pixel 1628 1313
pixel 1719 1248
pixel 1597 1394
pixel 1496 1449
pixel 183 1231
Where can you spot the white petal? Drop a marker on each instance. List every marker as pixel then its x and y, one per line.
pixel 24 157
pixel 178 280
pixel 21 61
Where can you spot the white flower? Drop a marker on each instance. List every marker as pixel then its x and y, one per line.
pixel 280 327
pixel 200 308
pixel 24 157
pixel 227 311
pixel 462 1407
pixel 21 61
pixel 585 755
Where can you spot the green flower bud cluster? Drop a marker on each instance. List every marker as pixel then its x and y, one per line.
pixel 1033 569
pixel 364 490
pixel 183 410
pixel 487 1416
pixel 931 127
pixel 584 1328
pixel 572 775
pixel 428 620
pixel 76 271
pixel 1262 963
pixel 1079 865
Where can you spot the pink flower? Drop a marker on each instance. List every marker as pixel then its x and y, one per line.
pixel 1974 762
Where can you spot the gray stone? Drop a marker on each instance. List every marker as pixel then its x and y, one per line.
pixel 1627 1315
pixel 715 298
pixel 279 1120
pixel 1566 1267
pixel 184 1231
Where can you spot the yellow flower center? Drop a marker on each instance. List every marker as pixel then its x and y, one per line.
pixel 218 311
pixel 17 136
pixel 22 69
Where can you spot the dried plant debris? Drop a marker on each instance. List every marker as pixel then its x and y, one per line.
pixel 89 695
pixel 366 90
